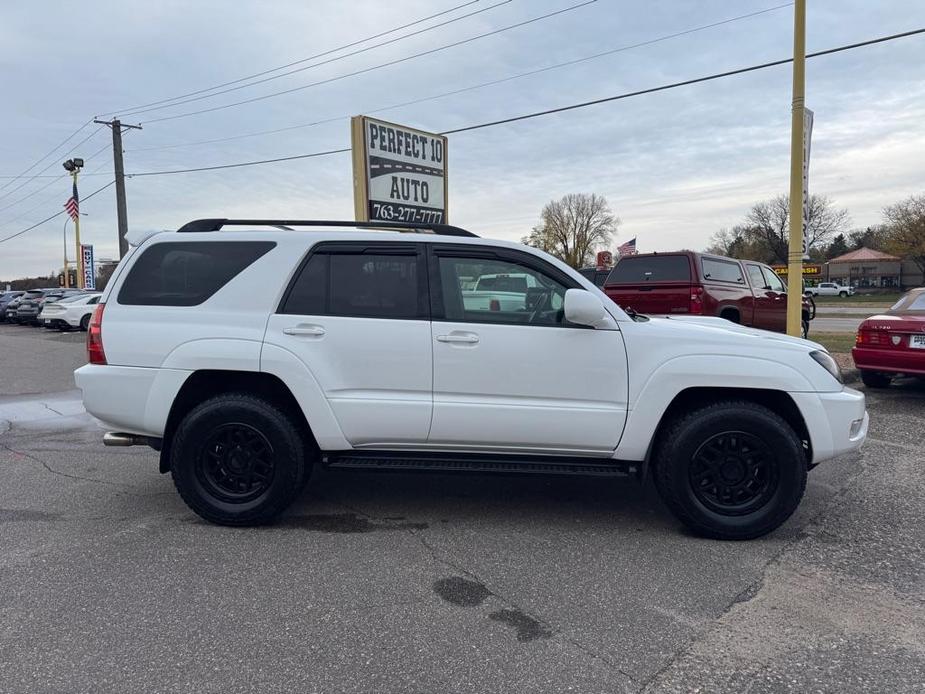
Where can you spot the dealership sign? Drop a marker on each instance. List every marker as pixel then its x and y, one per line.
pixel 399 173
pixel 86 266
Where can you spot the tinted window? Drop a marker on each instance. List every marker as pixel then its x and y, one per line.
pixel 357 284
pixel 652 268
pixel 536 299
pixel 186 274
pixel 755 277
pixel 774 282
pixel 722 270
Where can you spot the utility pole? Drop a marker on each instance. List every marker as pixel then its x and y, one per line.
pixel 121 211
pixel 795 250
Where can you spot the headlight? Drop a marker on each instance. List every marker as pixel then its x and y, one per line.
pixel 824 359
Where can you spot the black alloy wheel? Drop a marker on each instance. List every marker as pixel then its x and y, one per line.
pixel 236 463
pixel 733 473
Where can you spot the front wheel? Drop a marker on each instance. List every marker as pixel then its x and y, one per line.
pixel 238 460
pixel 733 470
pixel 843 295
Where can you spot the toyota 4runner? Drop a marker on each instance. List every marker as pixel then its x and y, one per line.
pixel 248 353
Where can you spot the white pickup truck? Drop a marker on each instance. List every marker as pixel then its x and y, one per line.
pixel 249 355
pixel 502 292
pixel 830 289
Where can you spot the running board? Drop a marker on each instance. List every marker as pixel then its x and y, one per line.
pixel 479 463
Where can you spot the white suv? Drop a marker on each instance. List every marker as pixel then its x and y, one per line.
pixel 248 356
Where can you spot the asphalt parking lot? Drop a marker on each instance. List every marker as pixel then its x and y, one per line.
pixel 405 583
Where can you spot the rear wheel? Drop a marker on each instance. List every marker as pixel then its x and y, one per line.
pixel 843 295
pixel 238 460
pixel 733 470
pixel 85 322
pixel 875 379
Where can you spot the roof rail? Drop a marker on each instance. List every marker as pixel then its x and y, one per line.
pixel 218 224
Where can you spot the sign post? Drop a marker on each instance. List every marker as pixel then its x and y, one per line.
pixel 86 266
pixel 399 173
pixel 796 247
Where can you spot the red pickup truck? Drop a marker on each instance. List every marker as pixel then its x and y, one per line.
pixel 685 282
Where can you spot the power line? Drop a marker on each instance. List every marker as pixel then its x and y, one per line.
pixel 55 179
pixel 535 114
pixel 560 109
pixel 473 87
pixel 34 176
pixel 314 65
pixel 375 67
pixel 39 161
pixel 56 214
pixel 296 62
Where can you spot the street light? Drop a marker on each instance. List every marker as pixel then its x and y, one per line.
pixel 73 167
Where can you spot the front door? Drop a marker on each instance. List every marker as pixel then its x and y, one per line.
pixel 356 314
pixel 509 372
pixel 776 314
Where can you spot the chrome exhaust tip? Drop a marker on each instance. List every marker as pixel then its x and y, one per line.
pixel 113 438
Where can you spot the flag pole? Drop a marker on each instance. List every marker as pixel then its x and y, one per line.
pixel 79 260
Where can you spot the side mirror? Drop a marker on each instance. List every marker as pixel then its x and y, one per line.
pixel 583 308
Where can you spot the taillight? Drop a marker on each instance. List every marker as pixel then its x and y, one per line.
pixel 872 337
pixel 95 353
pixel 696 300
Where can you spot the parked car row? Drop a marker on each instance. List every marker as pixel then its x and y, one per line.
pixel 64 309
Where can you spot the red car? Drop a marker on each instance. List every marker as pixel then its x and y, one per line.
pixel 701 284
pixel 893 343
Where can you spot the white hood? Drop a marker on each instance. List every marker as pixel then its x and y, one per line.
pixel 721 324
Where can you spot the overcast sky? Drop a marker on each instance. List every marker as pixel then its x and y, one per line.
pixel 675 166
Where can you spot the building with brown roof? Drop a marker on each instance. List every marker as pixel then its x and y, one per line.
pixel 867 268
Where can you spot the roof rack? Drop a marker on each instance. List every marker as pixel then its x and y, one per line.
pixel 218 224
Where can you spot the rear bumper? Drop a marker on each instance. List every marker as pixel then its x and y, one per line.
pixel 889 361
pixel 130 399
pixel 837 422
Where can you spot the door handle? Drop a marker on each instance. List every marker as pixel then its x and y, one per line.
pixel 312 330
pixel 459 338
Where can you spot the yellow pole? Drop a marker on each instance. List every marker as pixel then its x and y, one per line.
pixel 80 260
pixel 67 282
pixel 795 254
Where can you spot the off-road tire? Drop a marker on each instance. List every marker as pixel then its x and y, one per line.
pixel 875 379
pixel 209 425
pixel 682 438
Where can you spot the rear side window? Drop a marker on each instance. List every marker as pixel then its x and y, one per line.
pixel 503 283
pixel 653 268
pixel 187 273
pixel 365 285
pixel 722 270
pixel 755 276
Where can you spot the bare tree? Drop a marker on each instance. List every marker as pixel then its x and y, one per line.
pixel 770 222
pixel 574 227
pixel 905 229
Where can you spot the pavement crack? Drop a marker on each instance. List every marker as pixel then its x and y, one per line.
pixel 52 409
pixel 58 472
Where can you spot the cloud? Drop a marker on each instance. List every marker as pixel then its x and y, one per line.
pixel 675 165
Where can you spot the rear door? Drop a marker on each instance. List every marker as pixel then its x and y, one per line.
pixel 521 378
pixel 658 284
pixel 357 315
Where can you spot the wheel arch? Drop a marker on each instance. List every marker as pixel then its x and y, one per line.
pixel 777 401
pixel 208 383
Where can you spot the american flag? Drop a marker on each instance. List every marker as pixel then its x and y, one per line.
pixel 628 248
pixel 73 204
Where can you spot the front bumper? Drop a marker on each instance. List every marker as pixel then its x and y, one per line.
pixel 837 422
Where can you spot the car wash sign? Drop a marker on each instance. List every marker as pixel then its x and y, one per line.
pixel 399 173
